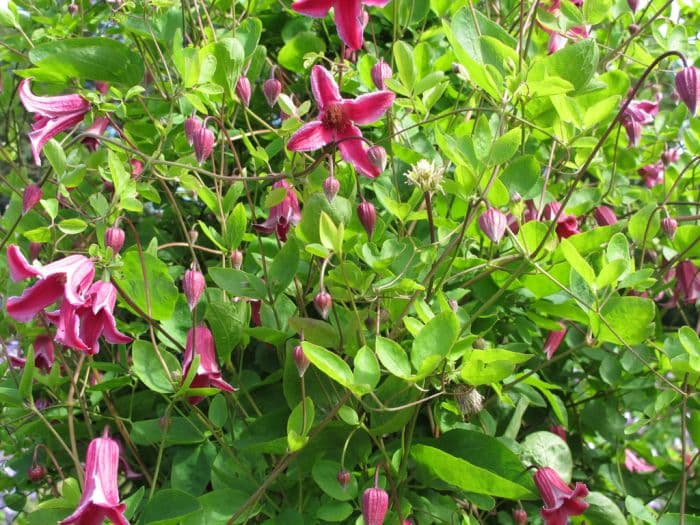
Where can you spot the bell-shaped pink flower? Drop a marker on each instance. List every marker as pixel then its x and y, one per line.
pixel 637 465
pixel 338 118
pixel 604 216
pixel 377 156
pixel 653 174
pixel 567 225
pixel 323 303
pixel 638 113
pixel 300 360
pixel 282 215
pixel 203 143
pixel 669 225
pixel 100 499
pixel 670 155
pixel 553 341
pixel 272 89
pixel 52 115
pixel 368 216
pixel 31 197
pixel 375 503
pixel 193 284
pixel 560 501
pixel 331 187
pixel 688 87
pixel 201 342
pixel 349 17
pixel 493 223
pixel 98 127
pixel 44 354
pixel 68 278
pixel 114 238
pixel 244 90
pixel 687 282
pixel 192 127
pixel 380 72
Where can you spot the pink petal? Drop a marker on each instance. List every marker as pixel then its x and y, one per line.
pixel 51 107
pixel 53 127
pixel 309 137
pixel 353 150
pixel 98 127
pixel 368 108
pixel 110 332
pixel 375 3
pixel 267 227
pixel 323 86
pixel 221 384
pixel 68 329
pixel 314 8
pixel 35 299
pixel 348 19
pixel 19 267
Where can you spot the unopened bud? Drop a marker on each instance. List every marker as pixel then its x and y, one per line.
pixel 375 502
pixel 272 89
pixel 136 167
pixel 300 360
pixel 493 223
pixel 633 29
pixel 343 478
pixel 203 143
pixel 669 225
pixel 36 473
pixel 688 87
pixel 31 197
pixel 454 305
pixel 670 156
pixel 381 71
pixel 192 127
pixel 519 517
pixel 193 284
pixel 237 259
pixel 604 216
pixel 72 9
pixel 377 156
pixel 323 302
pixel 480 343
pixel 193 235
pixel 331 187
pixel 243 90
pixel 114 238
pixel 368 216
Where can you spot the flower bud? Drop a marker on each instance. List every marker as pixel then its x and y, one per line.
pixel 519 517
pixel 380 72
pixel 243 90
pixel 604 216
pixel 377 156
pixel 193 235
pixel 375 502
pixel 331 187
pixel 670 156
pixel 30 198
pixel 343 478
pixel 192 127
pixel 688 87
pixel 480 343
pixel 669 225
pixel 368 217
pixel 493 223
pixel 72 9
pixel 193 284
pixel 301 361
pixel 272 89
pixel 454 305
pixel 323 302
pixel 634 5
pixel 34 249
pixel 237 259
pixel 633 29
pixel 203 144
pixel 114 238
pixel 36 473
pixel 136 167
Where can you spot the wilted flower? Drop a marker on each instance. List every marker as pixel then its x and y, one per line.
pixel 98 127
pixel 30 197
pixel 114 238
pixel 337 118
pixel 193 284
pixel 426 175
pixel 688 88
pixel 272 89
pixel 381 71
pixel 553 341
pixel 687 282
pixel 604 216
pixel 100 499
pixel 493 223
pixel 323 303
pixel 368 216
pixel 52 115
pixel 469 400
pixel 669 225
pixel 300 360
pixel 281 215
pixel 243 90
pixel 653 174
pixel 560 501
pixel 201 342
pixel 635 464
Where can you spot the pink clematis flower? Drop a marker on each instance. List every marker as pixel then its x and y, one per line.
pixel 560 501
pixel 201 342
pixel 558 40
pixel 349 17
pixel 67 278
pixel 337 119
pixel 638 113
pixel 98 127
pixel 100 499
pixel 687 282
pixel 567 225
pixel 43 353
pixel 553 341
pixel 653 174
pixel 281 215
pixel 52 115
pixel 637 465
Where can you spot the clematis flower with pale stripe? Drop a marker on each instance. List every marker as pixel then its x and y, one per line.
pixel 52 115
pixel 349 18
pixel 337 121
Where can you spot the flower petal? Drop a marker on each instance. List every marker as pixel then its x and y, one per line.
pixel 68 329
pixel 51 107
pixel 375 3
pixel 314 8
pixel 35 298
pixel 19 267
pixel 348 20
pixel 368 108
pixel 323 86
pixel 310 137
pixel 49 130
pixel 110 331
pixel 353 150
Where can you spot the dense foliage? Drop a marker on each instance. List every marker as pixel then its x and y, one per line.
pixel 406 261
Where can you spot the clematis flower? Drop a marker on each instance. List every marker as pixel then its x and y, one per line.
pixel 67 278
pixel 558 40
pixel 493 223
pixel 52 115
pixel 380 72
pixel 375 503
pixel 638 113
pixel 98 127
pixel 560 501
pixel 193 284
pixel 349 17
pixel 687 282
pixel 637 465
pixel 337 119
pixel 100 499
pixel 567 225
pixel 559 431
pixel 201 342
pixel 653 174
pixel 604 216
pixel 688 87
pixel 553 341
pixel 281 215
pixel 30 197
pixel 43 353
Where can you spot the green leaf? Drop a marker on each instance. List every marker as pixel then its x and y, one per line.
pixel 218 411
pixel 191 470
pixel 367 373
pixel 291 56
pixel 406 65
pixel 239 283
pixel 235 227
pixel 72 226
pixel 329 233
pixel 393 357
pixel 149 369
pixel 546 449
pixel 228 60
pixel 92 58
pixel 603 511
pixel 522 175
pixel 504 147
pixel 300 422
pixel 315 331
pixel 181 431
pixel 577 262
pixel 169 507
pixel 482 367
pixel 631 319
pixel 434 342
pixel 217 507
pixel 27 381
pixel 56 156
pixel 284 266
pixel 611 273
pixel 596 11
pixel 644 225
pixel 325 474
pixel 575 63
pixel 329 363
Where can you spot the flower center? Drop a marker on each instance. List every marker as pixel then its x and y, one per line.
pixel 334 117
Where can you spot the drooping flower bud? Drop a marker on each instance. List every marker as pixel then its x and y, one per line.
pixel 237 259
pixel 634 5
pixel 331 187
pixel 493 223
pixel 36 473
pixel 553 341
pixel 136 167
pixel 604 216
pixel 669 225
pixel 633 29
pixel 193 284
pixel 653 174
pixel 72 9
pixel 375 502
pixel 272 89
pixel 368 216
pixel 323 302
pixel 114 238
pixel 519 517
pixel 203 143
pixel 688 87
pixel 670 156
pixel 343 478
pixel 377 156
pixel 30 197
pixel 243 90
pixel 192 127
pixel 301 360
pixel 559 431
pixel 381 71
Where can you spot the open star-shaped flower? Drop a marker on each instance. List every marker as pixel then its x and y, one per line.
pixel 337 121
